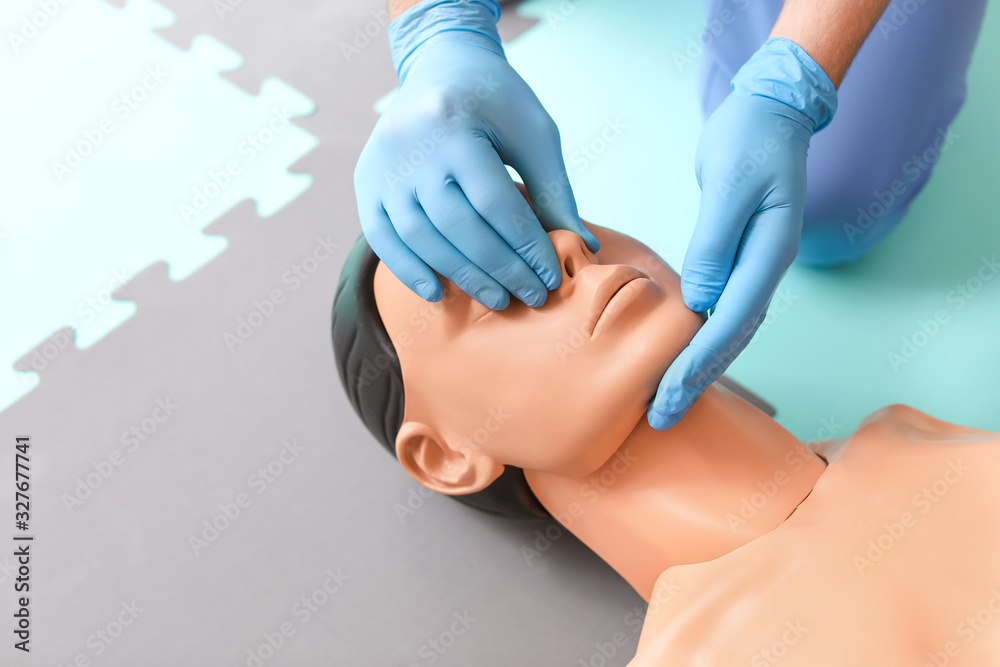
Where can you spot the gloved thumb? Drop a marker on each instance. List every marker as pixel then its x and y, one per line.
pixel 540 164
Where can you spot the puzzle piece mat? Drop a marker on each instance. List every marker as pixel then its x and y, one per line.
pixel 143 438
pixel 120 149
pixel 355 512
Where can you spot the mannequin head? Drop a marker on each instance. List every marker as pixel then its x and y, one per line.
pixel 555 389
pixel 370 373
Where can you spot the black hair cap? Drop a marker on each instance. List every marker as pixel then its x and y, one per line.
pixel 370 372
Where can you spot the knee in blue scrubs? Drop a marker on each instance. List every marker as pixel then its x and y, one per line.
pixel 896 105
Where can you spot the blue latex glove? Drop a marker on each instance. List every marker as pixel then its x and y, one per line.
pixel 433 192
pixel 751 167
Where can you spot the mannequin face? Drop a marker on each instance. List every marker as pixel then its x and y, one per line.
pixel 555 389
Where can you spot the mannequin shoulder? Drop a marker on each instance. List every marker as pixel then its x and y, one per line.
pixel 908 422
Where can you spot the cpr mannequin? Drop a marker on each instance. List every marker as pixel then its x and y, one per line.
pixel 748 546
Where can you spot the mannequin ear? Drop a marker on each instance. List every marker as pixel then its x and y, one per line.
pixel 428 459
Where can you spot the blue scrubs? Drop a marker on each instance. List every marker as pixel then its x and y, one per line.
pixel 896 103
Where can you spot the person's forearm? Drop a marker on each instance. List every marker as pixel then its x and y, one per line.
pixel 831 31
pixel 397 7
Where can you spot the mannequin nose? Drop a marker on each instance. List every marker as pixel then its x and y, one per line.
pixel 572 253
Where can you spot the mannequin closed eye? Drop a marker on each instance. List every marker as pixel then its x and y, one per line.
pixel 460 359
pixel 589 281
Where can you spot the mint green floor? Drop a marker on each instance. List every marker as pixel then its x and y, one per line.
pixel 617 67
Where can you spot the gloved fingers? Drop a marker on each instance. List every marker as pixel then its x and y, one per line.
pixel 419 234
pixel 685 381
pixel 536 154
pixel 457 221
pixel 723 215
pixel 766 251
pixel 394 253
pixel 492 193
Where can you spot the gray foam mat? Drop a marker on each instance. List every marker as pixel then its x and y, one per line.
pixel 159 430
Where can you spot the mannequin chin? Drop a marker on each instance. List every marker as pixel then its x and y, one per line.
pixel 746 543
pixel 561 392
pixel 595 351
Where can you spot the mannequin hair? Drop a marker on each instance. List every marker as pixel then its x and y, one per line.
pixel 372 377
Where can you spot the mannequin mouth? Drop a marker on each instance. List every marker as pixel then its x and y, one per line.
pixel 615 294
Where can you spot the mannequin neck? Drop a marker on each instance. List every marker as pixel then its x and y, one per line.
pixel 723 476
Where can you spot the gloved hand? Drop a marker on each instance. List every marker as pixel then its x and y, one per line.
pixel 433 193
pixel 751 167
